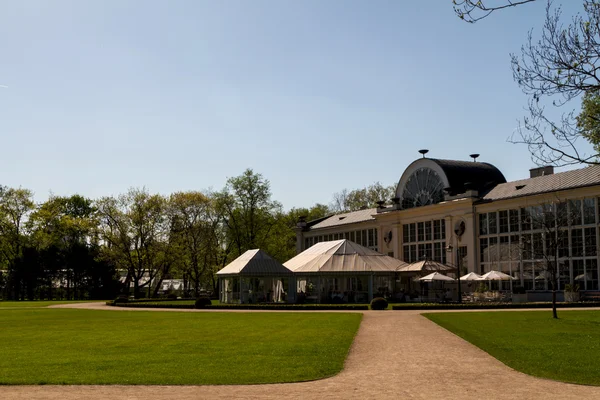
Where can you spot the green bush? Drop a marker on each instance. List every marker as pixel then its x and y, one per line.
pixel 121 299
pixel 202 302
pixel 572 288
pixel 172 296
pixel 379 303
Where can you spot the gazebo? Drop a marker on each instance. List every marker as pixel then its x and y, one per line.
pixel 254 277
pixel 342 271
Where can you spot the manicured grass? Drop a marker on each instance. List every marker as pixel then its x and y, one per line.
pixel 38 303
pixel 533 342
pixel 68 346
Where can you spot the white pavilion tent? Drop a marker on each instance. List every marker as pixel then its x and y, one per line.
pixel 254 277
pixel 342 271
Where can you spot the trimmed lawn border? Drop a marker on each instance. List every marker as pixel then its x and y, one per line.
pixel 563 349
pixel 489 306
pixel 298 307
pixel 160 348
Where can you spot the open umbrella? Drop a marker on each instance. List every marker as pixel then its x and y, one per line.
pixel 471 276
pixel 496 276
pixel 436 276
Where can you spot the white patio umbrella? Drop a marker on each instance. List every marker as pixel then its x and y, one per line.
pixel 436 276
pixel 583 276
pixel 471 276
pixel 495 276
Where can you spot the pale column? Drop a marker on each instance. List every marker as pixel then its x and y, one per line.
pixel 396 240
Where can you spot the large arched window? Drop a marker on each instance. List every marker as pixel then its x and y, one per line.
pixel 423 187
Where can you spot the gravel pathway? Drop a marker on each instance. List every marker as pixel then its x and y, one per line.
pixel 391 358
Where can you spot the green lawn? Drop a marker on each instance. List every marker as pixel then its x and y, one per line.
pixel 567 349
pixel 38 303
pixel 68 346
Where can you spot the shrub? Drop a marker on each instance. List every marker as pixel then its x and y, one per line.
pixel 379 303
pixel 202 302
pixel 121 299
pixel 572 288
pixel 172 296
pixel 519 290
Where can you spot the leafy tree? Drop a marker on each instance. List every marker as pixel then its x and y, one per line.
pixel 15 207
pixel 135 230
pixel 62 232
pixel 192 235
pixel 588 121
pixel 248 210
pixel 357 199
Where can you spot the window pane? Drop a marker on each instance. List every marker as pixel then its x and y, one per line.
pixel 437 252
pixel 405 236
pixel 443 228
pixel 437 234
pixel 576 243
pixel 483 250
pixel 504 249
pixel 591 272
pixel 514 220
pixel 493 249
pixel 406 254
pixel 483 228
pixel 589 211
pixel 563 243
pixel 413 232
pixel 562 214
pixel 421 231
pixel 428 235
pixel 538 246
pixel 590 242
pixel 575 212
pixel 503 221
pixel 493 223
pixel 525 219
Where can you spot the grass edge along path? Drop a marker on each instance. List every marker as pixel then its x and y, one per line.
pixel 533 342
pixel 10 304
pixel 87 347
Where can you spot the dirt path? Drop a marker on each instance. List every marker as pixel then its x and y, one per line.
pixel 391 358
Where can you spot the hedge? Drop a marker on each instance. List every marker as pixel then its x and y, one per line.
pixel 488 306
pixel 299 307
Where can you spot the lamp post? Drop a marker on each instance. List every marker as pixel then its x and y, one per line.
pixel 449 250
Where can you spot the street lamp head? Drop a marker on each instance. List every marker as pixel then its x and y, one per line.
pixel 449 248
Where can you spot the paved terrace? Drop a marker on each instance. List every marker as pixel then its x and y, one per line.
pixel 392 357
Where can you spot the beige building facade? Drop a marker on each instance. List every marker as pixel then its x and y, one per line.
pixel 465 213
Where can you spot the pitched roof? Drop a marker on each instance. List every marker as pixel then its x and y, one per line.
pixel 478 175
pixel 588 176
pixel 254 263
pixel 426 265
pixel 342 256
pixel 346 218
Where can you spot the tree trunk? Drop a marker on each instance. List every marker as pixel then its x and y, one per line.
pixel 136 288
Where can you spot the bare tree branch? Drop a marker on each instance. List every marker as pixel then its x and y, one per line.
pixel 473 11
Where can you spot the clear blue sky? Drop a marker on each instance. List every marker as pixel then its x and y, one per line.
pixel 315 95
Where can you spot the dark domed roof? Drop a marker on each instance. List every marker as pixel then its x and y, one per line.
pixel 464 175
